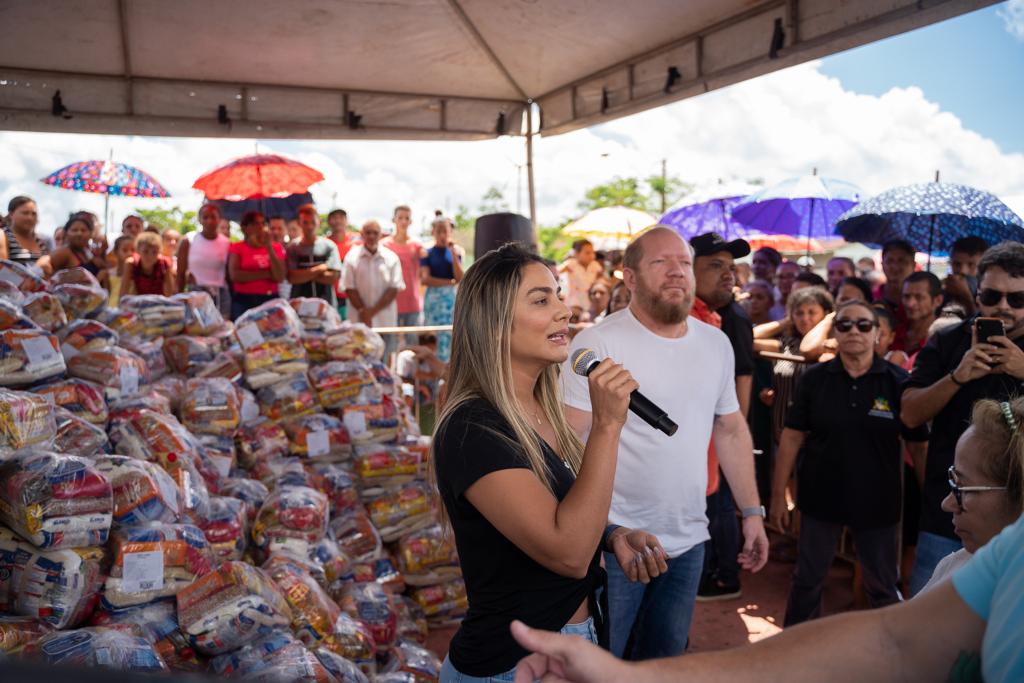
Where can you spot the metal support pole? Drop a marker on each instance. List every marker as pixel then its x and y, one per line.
pixel 529 172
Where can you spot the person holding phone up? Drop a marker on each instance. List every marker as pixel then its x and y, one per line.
pixel 980 358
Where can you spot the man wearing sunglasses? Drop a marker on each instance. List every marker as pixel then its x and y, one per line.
pixel 952 372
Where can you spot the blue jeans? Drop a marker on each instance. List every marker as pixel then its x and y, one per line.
pixel 449 674
pixel 930 549
pixel 653 620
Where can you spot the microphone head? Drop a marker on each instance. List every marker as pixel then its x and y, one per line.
pixel 582 359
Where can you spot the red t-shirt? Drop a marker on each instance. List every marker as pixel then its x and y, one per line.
pixel 154 282
pixel 254 259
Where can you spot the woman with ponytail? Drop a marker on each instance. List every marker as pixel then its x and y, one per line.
pixel 527 500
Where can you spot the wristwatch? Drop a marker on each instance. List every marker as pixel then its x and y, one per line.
pixel 756 511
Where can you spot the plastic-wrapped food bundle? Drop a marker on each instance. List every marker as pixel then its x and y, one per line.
pixel 113 648
pixel 226 527
pixel 356 535
pixel 412 622
pixel 427 557
pixel 118 370
pixel 353 640
pixel 411 658
pixel 442 603
pixel 143 491
pixel 225 365
pixel 336 566
pixel 339 383
pixel 290 397
pixel 317 436
pixel 220 450
pixel 86 335
pixel 60 587
pixel 45 310
pixel 372 605
pixel 401 509
pixel 230 607
pixel 55 500
pixel 342 669
pixel 294 512
pixel 29 356
pixel 158 622
pixel 160 316
pixel 354 340
pixel 25 420
pixel 271 339
pixel 260 441
pixel 78 396
pixel 187 354
pixel 337 483
pixel 201 315
pixel 382 571
pixel 313 611
pixel 210 406
pixel 155 561
pixel 374 421
pixel 381 465
pixel 12 316
pixel 76 436
pixel 249 491
pixel 125 323
pixel 22 277
pixel 17 632
pixel 80 301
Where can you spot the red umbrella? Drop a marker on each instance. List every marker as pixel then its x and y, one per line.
pixel 257 177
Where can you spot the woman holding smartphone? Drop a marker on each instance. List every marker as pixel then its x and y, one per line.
pixel 527 501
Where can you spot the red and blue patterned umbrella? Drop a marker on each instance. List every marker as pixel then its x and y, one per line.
pixel 106 177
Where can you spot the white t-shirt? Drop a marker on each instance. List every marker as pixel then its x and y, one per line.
pixel 661 481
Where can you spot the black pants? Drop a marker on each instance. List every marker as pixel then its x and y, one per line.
pixel 876 549
pixel 240 303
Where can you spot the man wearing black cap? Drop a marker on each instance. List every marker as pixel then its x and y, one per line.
pixel 715 271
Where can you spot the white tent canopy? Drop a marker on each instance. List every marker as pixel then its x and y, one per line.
pixel 417 69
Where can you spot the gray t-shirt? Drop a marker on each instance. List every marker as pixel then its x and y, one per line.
pixel 300 256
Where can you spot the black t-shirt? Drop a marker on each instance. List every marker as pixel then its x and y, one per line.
pixel 740 331
pixel 502 582
pixel 940 356
pixel 849 468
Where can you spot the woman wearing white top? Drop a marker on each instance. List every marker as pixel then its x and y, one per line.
pixel 203 259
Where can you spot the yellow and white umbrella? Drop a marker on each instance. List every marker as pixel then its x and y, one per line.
pixel 611 227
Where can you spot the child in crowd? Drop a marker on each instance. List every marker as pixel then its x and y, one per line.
pixel 148 272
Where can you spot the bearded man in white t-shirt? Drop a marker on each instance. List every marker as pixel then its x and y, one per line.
pixel 684 366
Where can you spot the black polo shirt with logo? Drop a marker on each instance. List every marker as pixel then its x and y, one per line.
pixel 939 357
pixel 848 471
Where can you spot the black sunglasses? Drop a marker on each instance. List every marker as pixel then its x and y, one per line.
pixel 959 491
pixel 864 325
pixel 992 297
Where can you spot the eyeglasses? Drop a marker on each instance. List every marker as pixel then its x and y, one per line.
pixel 864 325
pixel 959 491
pixel 992 297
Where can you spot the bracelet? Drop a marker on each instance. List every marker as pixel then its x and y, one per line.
pixel 952 376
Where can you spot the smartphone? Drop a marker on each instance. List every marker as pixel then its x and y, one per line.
pixel 986 328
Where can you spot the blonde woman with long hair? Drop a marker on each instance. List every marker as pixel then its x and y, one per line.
pixel 526 499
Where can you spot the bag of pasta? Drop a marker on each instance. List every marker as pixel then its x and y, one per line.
pixel 29 356
pixel 26 420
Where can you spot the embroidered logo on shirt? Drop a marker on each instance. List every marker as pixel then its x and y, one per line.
pixel 880 408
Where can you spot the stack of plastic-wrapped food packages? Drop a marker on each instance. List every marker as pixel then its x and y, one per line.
pixel 183 493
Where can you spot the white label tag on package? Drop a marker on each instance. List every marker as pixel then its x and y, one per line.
pixel 355 423
pixel 129 380
pixel 309 308
pixel 143 572
pixel 249 335
pixel 40 351
pixel 319 443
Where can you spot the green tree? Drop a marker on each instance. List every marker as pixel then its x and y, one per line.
pixel 174 217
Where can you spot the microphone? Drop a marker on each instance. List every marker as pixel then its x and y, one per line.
pixel 585 360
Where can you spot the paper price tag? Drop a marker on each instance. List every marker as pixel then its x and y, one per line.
pixel 249 335
pixel 129 380
pixel 309 308
pixel 355 423
pixel 143 572
pixel 318 443
pixel 8 275
pixel 40 351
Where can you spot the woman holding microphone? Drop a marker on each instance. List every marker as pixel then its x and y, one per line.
pixel 527 501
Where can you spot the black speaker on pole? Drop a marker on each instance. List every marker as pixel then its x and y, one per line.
pixel 496 229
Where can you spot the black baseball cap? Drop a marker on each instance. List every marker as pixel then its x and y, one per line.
pixel 712 243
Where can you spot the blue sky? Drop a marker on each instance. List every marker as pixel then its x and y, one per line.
pixel 971 66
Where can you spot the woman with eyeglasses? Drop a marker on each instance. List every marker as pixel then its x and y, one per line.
pixel 845 425
pixel 985 481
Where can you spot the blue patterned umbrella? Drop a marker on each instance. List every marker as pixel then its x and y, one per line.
pixel 931 216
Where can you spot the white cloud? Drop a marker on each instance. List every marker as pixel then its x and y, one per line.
pixel 1012 14
pixel 772 127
